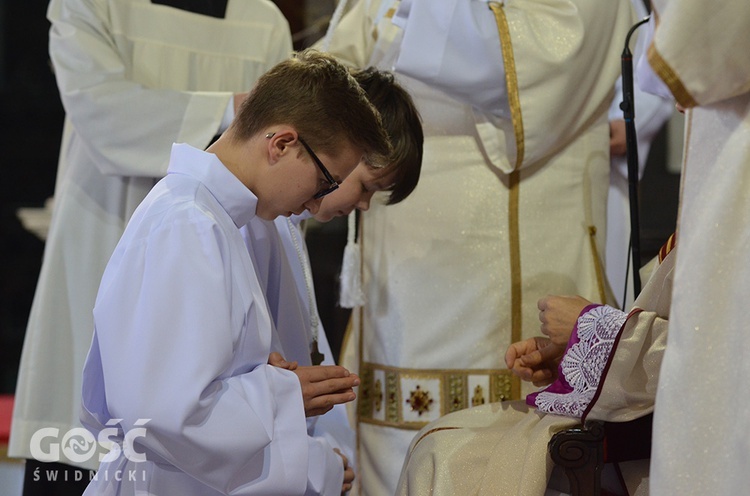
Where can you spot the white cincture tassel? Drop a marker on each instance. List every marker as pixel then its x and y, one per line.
pixel 351 269
pixel 335 19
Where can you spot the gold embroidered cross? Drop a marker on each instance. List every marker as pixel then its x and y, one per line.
pixel 478 398
pixel 420 401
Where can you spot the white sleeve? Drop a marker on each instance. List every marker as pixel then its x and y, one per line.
pixel 352 40
pixel 565 64
pixel 453 45
pixel 107 108
pixel 645 76
pixel 334 426
pixel 325 473
pixel 692 50
pixel 330 430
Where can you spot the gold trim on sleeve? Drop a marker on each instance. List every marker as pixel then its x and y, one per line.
pixel 511 80
pixel 670 78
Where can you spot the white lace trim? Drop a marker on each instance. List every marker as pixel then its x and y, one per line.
pixel 583 364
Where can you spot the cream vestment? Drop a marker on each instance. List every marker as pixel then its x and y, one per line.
pixel 510 205
pixel 501 448
pixel 702 415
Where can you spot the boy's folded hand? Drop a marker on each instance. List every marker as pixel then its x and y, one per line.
pixel 324 386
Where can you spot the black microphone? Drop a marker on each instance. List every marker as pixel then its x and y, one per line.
pixel 628 110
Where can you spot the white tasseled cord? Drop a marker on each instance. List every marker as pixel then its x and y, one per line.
pixel 350 278
pixel 315 355
pixel 335 19
pixel 351 268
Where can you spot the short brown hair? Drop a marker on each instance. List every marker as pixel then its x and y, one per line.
pixel 316 95
pixel 403 125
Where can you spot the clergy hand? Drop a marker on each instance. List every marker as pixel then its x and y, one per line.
pixel 348 473
pixel 558 315
pixel 534 360
pixel 277 360
pixel 324 386
pixel 617 138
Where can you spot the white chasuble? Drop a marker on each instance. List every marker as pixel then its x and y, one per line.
pixel 509 208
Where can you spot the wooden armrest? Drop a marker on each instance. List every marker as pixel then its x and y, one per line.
pixel 580 453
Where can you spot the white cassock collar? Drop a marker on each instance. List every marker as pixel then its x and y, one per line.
pixel 238 201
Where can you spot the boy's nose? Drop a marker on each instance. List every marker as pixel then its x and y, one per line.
pixel 313 205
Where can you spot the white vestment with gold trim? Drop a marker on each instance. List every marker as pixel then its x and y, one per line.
pixel 702 415
pixel 510 207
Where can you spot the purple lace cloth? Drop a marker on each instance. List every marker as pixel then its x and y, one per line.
pixel 583 363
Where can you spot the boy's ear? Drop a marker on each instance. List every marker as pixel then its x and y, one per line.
pixel 280 142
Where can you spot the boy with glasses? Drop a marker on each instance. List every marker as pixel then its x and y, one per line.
pixel 183 329
pixel 301 333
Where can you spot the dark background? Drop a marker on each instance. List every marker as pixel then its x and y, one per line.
pixel 32 117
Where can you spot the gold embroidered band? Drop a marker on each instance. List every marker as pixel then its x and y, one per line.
pixel 511 80
pixel 514 251
pixel 514 180
pixel 411 398
pixel 670 77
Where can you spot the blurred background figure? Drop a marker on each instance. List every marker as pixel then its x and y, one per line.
pixel 134 77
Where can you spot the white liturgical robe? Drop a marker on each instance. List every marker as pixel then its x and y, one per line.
pixel 182 337
pixel 510 206
pixel 283 266
pixel 134 77
pixel 702 414
pixel 296 340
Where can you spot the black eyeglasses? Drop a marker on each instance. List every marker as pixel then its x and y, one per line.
pixel 333 185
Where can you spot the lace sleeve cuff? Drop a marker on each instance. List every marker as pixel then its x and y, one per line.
pixel 583 363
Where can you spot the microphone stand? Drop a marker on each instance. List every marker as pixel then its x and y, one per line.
pixel 628 110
